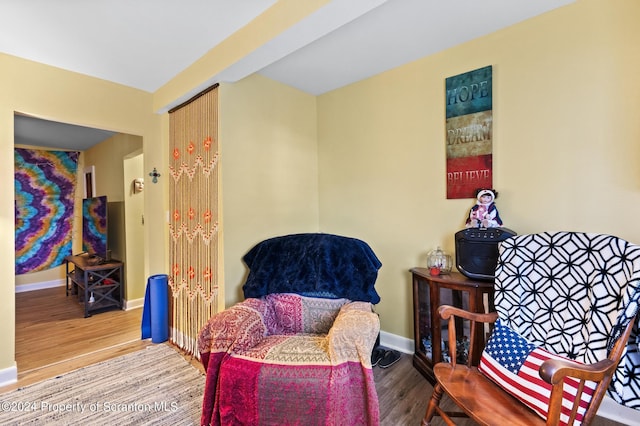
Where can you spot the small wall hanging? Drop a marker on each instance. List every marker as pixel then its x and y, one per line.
pixel 138 185
pixel 155 175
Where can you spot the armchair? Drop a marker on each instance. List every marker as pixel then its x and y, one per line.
pixel 566 313
pixel 298 349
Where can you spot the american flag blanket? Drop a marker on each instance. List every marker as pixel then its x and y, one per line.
pixel 513 363
pixel 286 359
pixel 566 294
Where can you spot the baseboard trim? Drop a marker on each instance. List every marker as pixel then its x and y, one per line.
pixel 619 413
pixel 9 375
pixel 40 286
pixel 399 343
pixel 133 304
pixel 127 304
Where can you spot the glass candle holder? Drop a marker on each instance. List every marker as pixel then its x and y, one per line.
pixel 438 262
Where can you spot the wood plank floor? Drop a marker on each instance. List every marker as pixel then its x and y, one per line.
pixel 404 393
pixel 53 337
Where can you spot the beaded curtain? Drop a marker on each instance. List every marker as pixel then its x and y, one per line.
pixel 193 223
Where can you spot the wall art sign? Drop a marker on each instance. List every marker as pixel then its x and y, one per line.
pixel 469 125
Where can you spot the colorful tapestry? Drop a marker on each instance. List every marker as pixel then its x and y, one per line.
pixel 45 185
pixel 193 225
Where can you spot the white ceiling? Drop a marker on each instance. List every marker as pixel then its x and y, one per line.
pixel 145 43
pixel 52 134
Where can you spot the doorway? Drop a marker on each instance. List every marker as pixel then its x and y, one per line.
pixel 105 154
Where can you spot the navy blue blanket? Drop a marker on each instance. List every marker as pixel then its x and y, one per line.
pixel 318 265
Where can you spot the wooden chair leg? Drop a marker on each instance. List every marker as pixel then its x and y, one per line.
pixel 434 402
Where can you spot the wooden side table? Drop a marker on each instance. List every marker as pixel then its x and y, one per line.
pixel 99 286
pixel 430 331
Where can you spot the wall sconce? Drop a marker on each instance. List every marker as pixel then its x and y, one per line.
pixel 155 175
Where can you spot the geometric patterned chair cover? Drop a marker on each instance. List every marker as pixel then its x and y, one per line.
pixel 573 293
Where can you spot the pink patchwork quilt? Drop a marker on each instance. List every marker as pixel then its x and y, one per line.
pixel 286 359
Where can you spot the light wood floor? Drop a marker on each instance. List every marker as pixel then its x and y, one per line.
pixel 53 337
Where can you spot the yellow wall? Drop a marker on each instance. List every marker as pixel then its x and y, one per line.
pixel 269 168
pixel 54 94
pixel 566 151
pixel 108 157
pixel 134 225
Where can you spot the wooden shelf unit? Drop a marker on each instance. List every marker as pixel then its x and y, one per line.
pixel 99 285
pixel 430 332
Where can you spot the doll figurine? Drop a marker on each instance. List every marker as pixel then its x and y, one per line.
pixel 484 214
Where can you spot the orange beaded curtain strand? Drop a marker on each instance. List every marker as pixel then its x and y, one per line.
pixel 194 217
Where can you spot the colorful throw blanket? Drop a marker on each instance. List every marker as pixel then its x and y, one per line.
pixel 45 185
pixel 287 359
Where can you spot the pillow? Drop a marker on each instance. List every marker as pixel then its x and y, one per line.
pixel 513 363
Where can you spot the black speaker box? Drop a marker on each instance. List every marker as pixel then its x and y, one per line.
pixel 477 251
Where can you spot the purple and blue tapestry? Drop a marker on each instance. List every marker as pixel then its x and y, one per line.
pixel 45 184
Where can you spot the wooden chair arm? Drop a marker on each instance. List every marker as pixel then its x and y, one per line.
pixel 450 313
pixel 445 311
pixel 554 371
